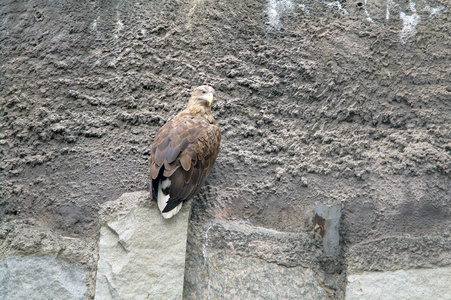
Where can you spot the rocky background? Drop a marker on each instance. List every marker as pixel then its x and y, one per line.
pixel 319 102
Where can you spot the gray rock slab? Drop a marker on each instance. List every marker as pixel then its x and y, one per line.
pixel 141 255
pixel 236 277
pixel 396 253
pixel 403 284
pixel 242 261
pixel 328 218
pixel 29 238
pixel 28 277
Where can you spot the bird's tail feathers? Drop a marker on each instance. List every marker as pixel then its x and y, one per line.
pixel 163 200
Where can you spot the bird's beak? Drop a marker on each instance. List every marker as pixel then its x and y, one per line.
pixel 208 97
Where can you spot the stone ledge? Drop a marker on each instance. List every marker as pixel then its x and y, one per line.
pixel 236 277
pixel 396 253
pixel 47 277
pixel 141 255
pixel 236 260
pixel 27 245
pixel 415 284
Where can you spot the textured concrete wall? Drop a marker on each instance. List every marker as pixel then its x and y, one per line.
pixel 320 102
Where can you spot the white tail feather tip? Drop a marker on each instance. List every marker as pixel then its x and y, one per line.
pixel 172 212
pixel 162 200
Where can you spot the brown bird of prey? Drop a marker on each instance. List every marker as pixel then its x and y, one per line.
pixel 184 152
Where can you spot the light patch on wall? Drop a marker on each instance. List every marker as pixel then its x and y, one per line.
pixel 368 17
pixel 390 5
pixel 274 10
pixel 191 14
pixel 304 9
pixel 410 15
pixel 433 11
pixel 119 26
pixel 376 11
pixel 94 25
pixel 337 6
pixel 409 23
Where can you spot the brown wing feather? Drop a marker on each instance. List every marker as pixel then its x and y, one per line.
pixel 185 151
pixel 205 139
pixel 197 174
pixel 177 185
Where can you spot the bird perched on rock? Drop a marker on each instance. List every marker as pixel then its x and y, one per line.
pixel 184 152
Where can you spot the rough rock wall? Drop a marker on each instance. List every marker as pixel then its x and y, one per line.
pixel 318 102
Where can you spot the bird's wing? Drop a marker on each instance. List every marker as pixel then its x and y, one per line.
pixel 185 151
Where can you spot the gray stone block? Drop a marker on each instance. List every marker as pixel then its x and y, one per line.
pixel 327 217
pixel 28 277
pixel 141 255
pixel 414 284
pixel 237 277
pixel 396 253
pixel 242 261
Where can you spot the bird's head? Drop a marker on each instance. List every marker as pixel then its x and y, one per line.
pixel 203 96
